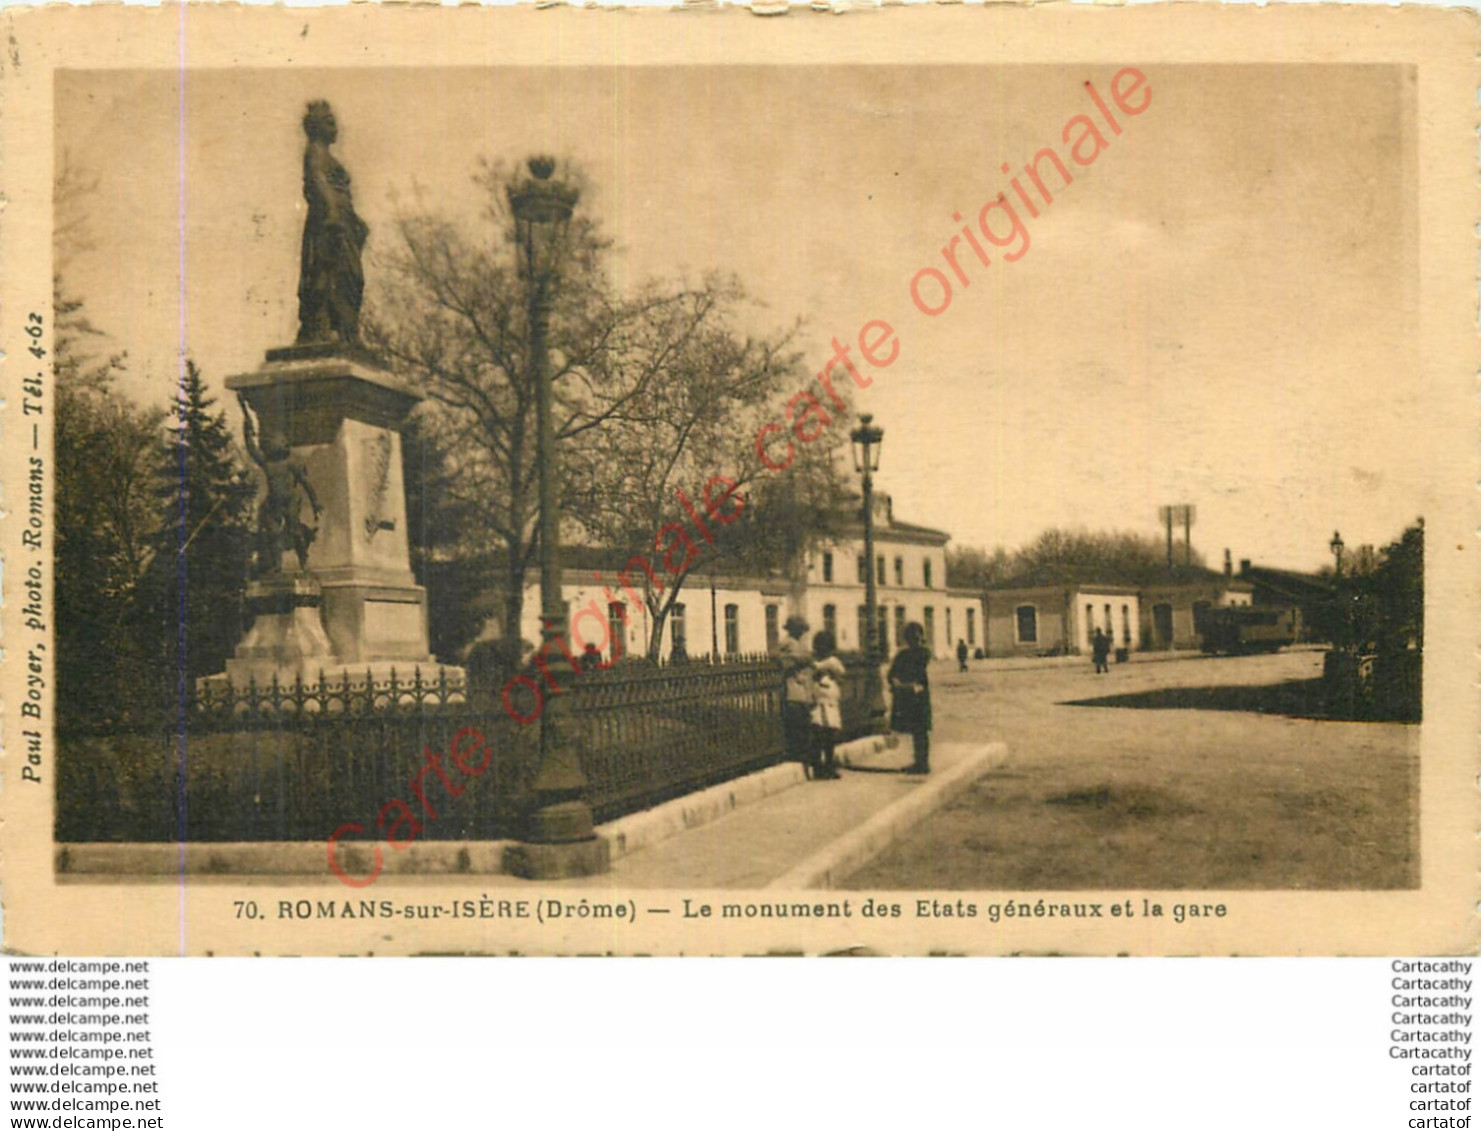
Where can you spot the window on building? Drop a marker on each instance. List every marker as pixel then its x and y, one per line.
pixel 864 626
pixel 883 627
pixel 863 570
pixel 1028 624
pixel 1089 622
pixel 1126 626
pixel 732 629
pixel 930 627
pixel 879 570
pixel 899 571
pixel 1110 628
pixel 830 621
pixel 925 569
pixel 972 628
pixel 773 628
pixel 899 623
pixel 678 631
pixel 950 636
pixel 827 566
pixel 617 628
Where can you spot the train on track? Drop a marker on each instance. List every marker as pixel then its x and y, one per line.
pixel 1242 629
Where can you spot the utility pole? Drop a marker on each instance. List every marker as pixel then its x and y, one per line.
pixel 1183 513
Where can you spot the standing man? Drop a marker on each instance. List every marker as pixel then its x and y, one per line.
pixel 1100 651
pixel 961 655
pixel 797 697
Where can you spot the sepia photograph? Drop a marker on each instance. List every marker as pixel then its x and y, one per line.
pixel 739 490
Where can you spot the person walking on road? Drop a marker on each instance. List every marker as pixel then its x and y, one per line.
pixel 910 712
pixel 961 655
pixel 827 708
pixel 1100 651
pixel 797 695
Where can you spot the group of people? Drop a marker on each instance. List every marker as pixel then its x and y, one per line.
pixel 812 707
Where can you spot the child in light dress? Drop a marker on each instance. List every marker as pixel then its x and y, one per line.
pixel 827 710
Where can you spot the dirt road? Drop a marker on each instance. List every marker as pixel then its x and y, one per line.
pixel 1192 773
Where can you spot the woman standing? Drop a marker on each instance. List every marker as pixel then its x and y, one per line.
pixel 911 711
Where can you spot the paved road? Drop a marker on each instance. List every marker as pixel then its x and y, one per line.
pixel 1187 774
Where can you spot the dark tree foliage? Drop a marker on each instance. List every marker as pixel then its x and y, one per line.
pixel 191 609
pixel 104 518
pixel 1059 556
pixel 1378 602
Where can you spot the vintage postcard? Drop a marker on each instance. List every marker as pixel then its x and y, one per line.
pixel 915 480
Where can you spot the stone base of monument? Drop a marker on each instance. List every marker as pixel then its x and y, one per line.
pixel 356 616
pixel 287 633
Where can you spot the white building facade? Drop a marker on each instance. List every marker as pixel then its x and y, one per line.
pixel 731 615
pixel 910 586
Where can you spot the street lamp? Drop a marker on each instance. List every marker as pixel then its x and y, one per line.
pixel 1344 621
pixel 867 441
pixel 558 838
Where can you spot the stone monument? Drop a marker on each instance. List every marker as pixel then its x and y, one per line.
pixel 332 591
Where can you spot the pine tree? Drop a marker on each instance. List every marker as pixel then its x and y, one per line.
pixel 201 550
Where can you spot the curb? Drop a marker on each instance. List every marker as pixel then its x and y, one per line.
pixel 277 858
pixel 850 852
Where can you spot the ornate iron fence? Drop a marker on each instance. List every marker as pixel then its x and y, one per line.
pixel 648 733
pixel 297 762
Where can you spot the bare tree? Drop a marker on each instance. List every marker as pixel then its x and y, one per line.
pixel 641 380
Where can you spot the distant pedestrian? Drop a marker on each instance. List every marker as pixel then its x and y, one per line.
pixel 591 659
pixel 797 694
pixel 910 712
pixel 827 708
pixel 961 655
pixel 1100 651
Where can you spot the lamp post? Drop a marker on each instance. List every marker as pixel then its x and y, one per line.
pixel 1337 546
pixel 867 440
pixel 558 837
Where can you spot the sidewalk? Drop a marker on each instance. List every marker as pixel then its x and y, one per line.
pixel 805 833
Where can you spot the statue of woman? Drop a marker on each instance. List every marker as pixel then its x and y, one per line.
pixel 330 281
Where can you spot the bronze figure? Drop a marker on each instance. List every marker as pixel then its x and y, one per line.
pixel 330 282
pixel 280 524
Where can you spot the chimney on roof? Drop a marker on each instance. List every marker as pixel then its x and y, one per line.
pixel 1228 565
pixel 1244 567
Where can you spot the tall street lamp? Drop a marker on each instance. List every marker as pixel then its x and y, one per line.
pixel 1337 546
pixel 559 839
pixel 867 440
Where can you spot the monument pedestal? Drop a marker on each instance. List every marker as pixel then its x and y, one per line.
pixel 287 636
pixel 356 610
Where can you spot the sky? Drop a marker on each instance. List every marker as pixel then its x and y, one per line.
pixel 1219 310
